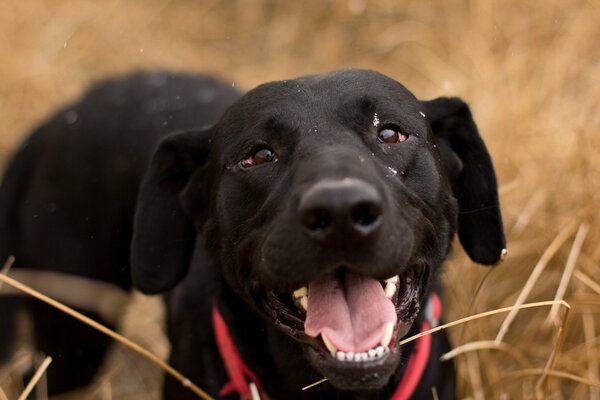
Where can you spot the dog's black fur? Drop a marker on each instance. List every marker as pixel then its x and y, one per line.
pixel 68 196
pixel 291 183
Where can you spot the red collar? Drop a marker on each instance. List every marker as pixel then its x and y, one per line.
pixel 243 381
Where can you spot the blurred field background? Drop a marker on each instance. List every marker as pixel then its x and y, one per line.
pixel 529 69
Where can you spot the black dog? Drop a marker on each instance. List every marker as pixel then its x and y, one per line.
pixel 309 223
pixel 67 201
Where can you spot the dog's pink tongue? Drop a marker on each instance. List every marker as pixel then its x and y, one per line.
pixel 352 312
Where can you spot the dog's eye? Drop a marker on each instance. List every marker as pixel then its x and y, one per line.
pixel 391 135
pixel 261 156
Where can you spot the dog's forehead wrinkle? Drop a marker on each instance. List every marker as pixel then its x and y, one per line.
pixel 328 88
pixel 311 106
pixel 279 117
pixel 333 160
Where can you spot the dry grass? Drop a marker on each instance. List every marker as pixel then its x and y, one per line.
pixel 529 69
pixel 158 361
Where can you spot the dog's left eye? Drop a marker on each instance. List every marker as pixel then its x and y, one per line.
pixel 391 135
pixel 261 156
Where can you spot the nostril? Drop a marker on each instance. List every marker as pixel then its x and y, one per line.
pixel 317 219
pixel 366 214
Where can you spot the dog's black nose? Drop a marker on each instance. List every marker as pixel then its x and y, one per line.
pixel 340 209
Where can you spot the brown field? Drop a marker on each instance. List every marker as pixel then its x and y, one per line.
pixel 529 69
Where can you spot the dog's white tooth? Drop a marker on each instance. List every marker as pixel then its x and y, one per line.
pixel 380 350
pixel 387 335
pixel 390 289
pixel 372 353
pixel 341 356
pixel 303 291
pixel 349 356
pixel 328 344
pixel 304 302
pixel 364 356
pixel 394 279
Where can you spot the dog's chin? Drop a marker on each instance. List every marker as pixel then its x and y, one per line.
pixel 354 376
pixel 369 364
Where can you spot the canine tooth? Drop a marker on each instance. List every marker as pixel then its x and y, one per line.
pixel 304 302
pixel 302 292
pixel 341 356
pixel 372 353
pixel 387 335
pixel 380 350
pixel 390 289
pixel 394 279
pixel 328 344
pixel 349 356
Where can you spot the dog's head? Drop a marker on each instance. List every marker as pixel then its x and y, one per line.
pixel 328 203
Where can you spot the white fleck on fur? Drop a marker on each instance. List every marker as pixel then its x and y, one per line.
pixel 376 120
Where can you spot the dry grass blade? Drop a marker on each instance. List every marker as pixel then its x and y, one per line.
pixel 3 395
pixel 589 332
pixel 524 218
pixel 6 268
pixel 20 362
pixel 568 272
pixel 120 338
pixel 484 315
pixel 509 187
pixel 36 377
pixel 487 345
pixel 312 385
pixel 551 250
pixel 474 298
pixel 512 376
pixel 106 391
pixel 586 280
pixel 474 373
pixel 540 386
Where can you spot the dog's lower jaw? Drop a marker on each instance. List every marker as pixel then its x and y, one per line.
pixel 367 376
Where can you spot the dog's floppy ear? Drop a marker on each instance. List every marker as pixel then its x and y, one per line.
pixel 164 234
pixel 469 166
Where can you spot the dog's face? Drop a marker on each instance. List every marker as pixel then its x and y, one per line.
pixel 330 209
pixel 328 203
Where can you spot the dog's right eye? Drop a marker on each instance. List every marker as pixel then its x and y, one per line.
pixel 260 156
pixel 391 135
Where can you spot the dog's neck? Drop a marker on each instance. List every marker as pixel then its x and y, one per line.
pixel 276 358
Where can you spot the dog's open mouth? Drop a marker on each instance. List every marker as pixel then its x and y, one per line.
pixel 350 322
